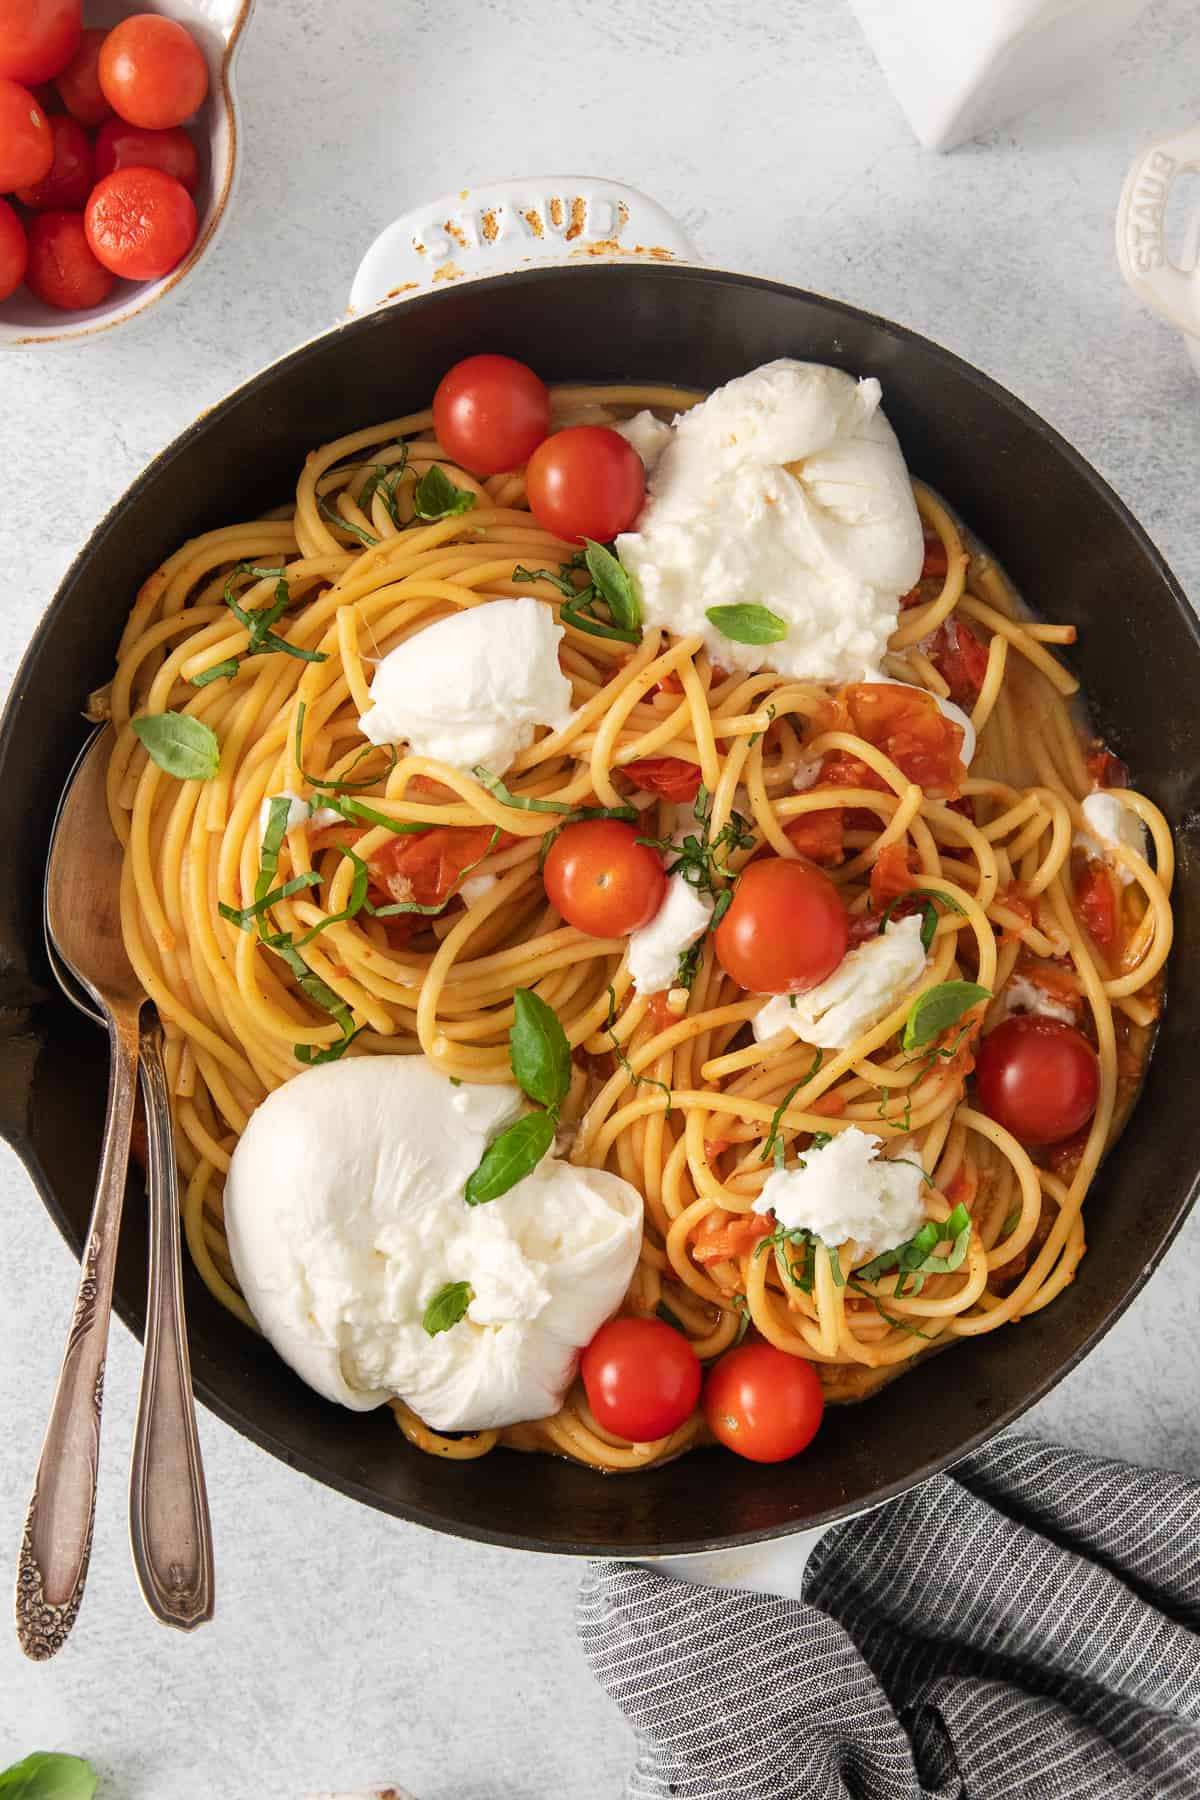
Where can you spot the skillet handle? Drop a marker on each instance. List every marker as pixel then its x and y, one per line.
pixel 774 1567
pixel 510 225
pixel 1141 240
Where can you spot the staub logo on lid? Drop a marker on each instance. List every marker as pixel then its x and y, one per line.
pixel 534 219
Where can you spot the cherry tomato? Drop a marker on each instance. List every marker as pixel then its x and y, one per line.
pixel 152 71
pixel 820 836
pixel 62 270
pixel 26 146
pixel 762 1403
pixel 79 83
pixel 122 146
pixel 490 413
pixel 957 654
pixel 37 38
pixel 786 929
pixel 602 880
pixel 641 1377
pixel 669 776
pixel 140 223
pixel 14 251
pixel 72 174
pixel 1096 903
pixel 427 866
pixel 1039 1078
pixel 586 482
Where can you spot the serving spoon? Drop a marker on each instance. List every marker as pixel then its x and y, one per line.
pixel 170 1531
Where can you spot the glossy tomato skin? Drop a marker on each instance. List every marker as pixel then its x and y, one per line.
pixel 586 482
pixel 762 1403
pixel 79 83
pixel 786 929
pixel 602 880
pixel 152 72
pixel 38 38
pixel 490 413
pixel 123 146
pixel 14 251
pixel 26 146
pixel 62 270
pixel 1039 1078
pixel 670 777
pixel 641 1377
pixel 71 175
pixel 140 223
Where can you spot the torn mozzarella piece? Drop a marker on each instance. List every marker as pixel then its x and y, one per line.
pixel 1024 996
pixel 300 812
pixel 648 435
pixel 655 949
pixel 1111 826
pixel 845 1192
pixel 868 983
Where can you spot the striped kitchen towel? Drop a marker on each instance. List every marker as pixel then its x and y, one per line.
pixel 1028 1625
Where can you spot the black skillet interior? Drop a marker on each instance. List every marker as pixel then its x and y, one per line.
pixel 1077 556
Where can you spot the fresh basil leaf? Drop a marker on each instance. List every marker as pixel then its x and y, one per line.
pixel 384 481
pixel 436 497
pixel 574 612
pixel 358 897
pixel 343 785
pixel 917 1256
pixel 929 913
pixel 185 747
pixel 259 620
pixel 244 919
pixel 748 624
pixel 1011 1220
pixel 359 811
pixel 218 672
pixel 938 1008
pixel 510 1158
pixel 776 1116
pixel 539 1051
pixel 310 1055
pixel 613 585
pixel 522 802
pixel 447 1306
pixel 320 993
pixel 333 517
pixel 278 814
pixel 48 1776
pixel 566 588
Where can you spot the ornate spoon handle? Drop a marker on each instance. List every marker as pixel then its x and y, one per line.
pixel 169 1525
pixel 57 1539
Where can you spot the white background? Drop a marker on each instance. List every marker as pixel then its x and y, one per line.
pixel 349 1647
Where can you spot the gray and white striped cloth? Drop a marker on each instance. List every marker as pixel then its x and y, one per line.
pixel 1028 1625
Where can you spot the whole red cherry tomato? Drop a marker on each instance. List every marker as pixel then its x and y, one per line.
pixel 602 880
pixel 122 146
pixel 786 929
pixel 586 482
pixel 14 251
pixel 152 71
pixel 763 1403
pixel 37 38
pixel 140 223
pixel 72 174
pixel 641 1377
pixel 62 270
pixel 1039 1078
pixel 26 146
pixel 79 83
pixel 490 413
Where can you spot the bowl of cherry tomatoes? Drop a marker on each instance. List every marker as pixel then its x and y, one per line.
pixel 118 154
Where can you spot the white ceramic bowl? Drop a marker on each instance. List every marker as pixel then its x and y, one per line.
pixel 217 26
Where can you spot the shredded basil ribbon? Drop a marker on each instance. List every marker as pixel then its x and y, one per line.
pixel 916 1257
pixel 436 496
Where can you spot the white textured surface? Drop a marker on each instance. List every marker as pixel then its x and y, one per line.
pixel 347 1647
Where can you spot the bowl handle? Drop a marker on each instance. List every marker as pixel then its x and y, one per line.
pixel 514 225
pixel 1141 241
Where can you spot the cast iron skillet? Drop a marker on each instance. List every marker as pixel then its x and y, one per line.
pixel 1070 545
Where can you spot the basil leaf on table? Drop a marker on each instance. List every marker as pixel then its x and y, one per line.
pixel 447 1307
pixel 748 624
pixel 613 585
pixel 182 746
pixel 939 1007
pixel 510 1157
pixel 45 1775
pixel 436 497
pixel 539 1051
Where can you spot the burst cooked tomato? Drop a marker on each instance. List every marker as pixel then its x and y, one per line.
pixel 891 876
pixel 820 836
pixel 957 655
pixel 668 776
pixel 933 563
pixel 1096 903
pixel 427 867
pixel 725 1236
pixel 1106 769
pixel 908 725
